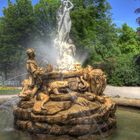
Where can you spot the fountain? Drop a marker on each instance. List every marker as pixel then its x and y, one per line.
pixel 67 100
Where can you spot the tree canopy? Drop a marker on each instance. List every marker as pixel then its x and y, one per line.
pixel 108 47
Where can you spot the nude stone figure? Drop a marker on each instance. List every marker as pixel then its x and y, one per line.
pixel 64 20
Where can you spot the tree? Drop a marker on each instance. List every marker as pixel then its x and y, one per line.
pixel 126 71
pixel 45 15
pixel 137 11
pixel 8 52
pixel 93 30
pixel 128 40
pixel 16 29
pixel 19 22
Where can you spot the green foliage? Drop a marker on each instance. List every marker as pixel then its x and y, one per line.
pixel 19 22
pixel 128 41
pixel 16 31
pixel 93 29
pixel 125 72
pixel 110 48
pixel 45 15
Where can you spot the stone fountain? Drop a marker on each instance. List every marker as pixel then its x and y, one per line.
pixel 67 100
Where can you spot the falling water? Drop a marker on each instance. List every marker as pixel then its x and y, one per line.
pixel 6 113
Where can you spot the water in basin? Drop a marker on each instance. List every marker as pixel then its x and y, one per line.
pixel 128 126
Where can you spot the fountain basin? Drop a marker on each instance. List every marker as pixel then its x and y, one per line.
pixel 125 129
pixel 76 106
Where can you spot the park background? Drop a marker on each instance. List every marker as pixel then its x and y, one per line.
pixel 102 40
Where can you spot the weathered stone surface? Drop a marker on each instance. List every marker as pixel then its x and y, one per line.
pixel 64 97
pixel 64 117
pixel 26 104
pixel 61 118
pixel 73 130
pixel 60 75
pixel 22 114
pixel 68 109
pixel 51 108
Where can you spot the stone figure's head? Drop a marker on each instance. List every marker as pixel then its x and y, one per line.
pixel 30 53
pixel 64 3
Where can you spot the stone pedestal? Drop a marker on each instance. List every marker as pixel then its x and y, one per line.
pixel 76 106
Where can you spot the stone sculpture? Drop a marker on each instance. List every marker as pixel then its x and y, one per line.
pixel 65 103
pixel 68 100
pixel 64 20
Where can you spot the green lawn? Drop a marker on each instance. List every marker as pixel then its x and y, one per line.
pixel 9 92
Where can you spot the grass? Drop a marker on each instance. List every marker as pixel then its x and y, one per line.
pixel 9 90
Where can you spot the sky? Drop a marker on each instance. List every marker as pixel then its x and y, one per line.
pixel 122 11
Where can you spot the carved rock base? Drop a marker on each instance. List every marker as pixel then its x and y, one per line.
pixel 74 106
pixel 67 118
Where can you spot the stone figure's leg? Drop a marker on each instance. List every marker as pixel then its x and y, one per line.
pixel 44 98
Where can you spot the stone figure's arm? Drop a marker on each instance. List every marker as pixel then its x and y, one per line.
pixel 33 68
pixel 71 5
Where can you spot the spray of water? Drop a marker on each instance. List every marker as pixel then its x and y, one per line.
pixel 6 114
pixel 15 77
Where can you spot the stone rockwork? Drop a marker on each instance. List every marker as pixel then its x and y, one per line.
pixel 64 103
pixel 68 100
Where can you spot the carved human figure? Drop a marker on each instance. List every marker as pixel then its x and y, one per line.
pixel 32 67
pixel 29 85
pixel 64 20
pixel 34 71
pixel 27 91
pixel 53 87
pixel 63 43
pixel 33 87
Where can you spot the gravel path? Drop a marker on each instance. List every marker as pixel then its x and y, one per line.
pixel 126 92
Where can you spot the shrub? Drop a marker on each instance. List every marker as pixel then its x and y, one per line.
pixel 126 73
